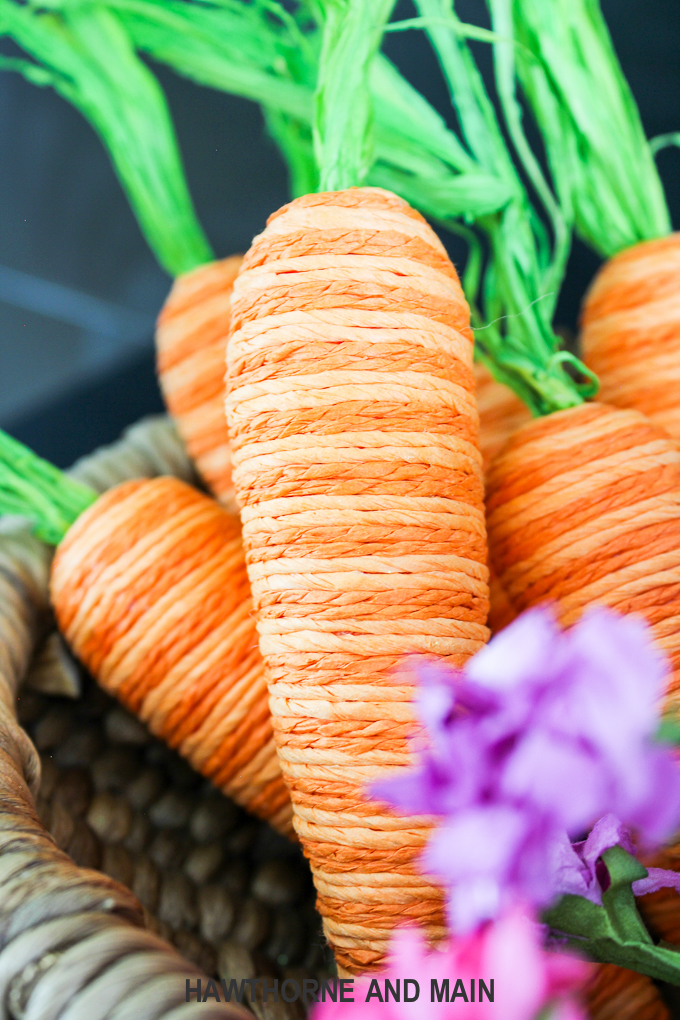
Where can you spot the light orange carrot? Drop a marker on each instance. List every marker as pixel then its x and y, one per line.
pixel 631 330
pixel 191 340
pixel 354 427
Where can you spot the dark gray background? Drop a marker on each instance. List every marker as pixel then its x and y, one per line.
pixel 74 371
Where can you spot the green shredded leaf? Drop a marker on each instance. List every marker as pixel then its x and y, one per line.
pixel 660 142
pixel 262 51
pixel 33 488
pixel 342 126
pixel 84 53
pixel 462 29
pixel 227 47
pixel 590 124
pixel 513 317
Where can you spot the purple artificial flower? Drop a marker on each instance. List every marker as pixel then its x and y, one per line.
pixel 580 870
pixel 543 732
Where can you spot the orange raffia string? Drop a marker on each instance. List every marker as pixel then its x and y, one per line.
pixel 150 589
pixel 583 507
pixel 617 994
pixel 500 414
pixel 191 341
pixel 354 428
pixel 631 330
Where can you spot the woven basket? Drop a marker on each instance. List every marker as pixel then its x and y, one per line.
pixel 122 872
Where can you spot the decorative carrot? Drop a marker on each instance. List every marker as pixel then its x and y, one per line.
pixel 631 330
pixel 500 413
pixel 583 507
pixel 604 167
pixel 191 341
pixel 149 588
pixel 354 429
pixel 86 53
pixel 583 503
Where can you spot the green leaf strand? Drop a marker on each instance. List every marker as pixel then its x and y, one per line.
pixel 33 488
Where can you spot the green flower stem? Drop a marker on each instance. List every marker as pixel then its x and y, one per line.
pixel 33 488
pixel 615 932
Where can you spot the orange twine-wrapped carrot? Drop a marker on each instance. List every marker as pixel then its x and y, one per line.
pixel 191 340
pixel 617 994
pixel 354 427
pixel 150 590
pixel 583 507
pixel 631 330
pixel 500 414
pixel 149 587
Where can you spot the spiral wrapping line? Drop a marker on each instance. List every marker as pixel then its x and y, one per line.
pixel 617 994
pixel 151 592
pixel 583 508
pixel 191 339
pixel 500 413
pixel 631 331
pixel 354 429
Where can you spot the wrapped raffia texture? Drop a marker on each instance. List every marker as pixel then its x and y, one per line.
pixel 354 429
pixel 191 340
pixel 71 939
pixel 148 448
pixel 631 331
pixel 204 693
pixel 150 590
pixel 617 994
pixel 583 507
pixel 500 414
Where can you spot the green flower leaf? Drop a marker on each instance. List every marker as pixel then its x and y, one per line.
pixel 615 932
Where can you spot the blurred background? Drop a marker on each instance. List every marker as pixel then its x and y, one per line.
pixel 79 289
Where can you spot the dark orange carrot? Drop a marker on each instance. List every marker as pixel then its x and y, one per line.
pixel 617 994
pixel 583 507
pixel 500 414
pixel 150 589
